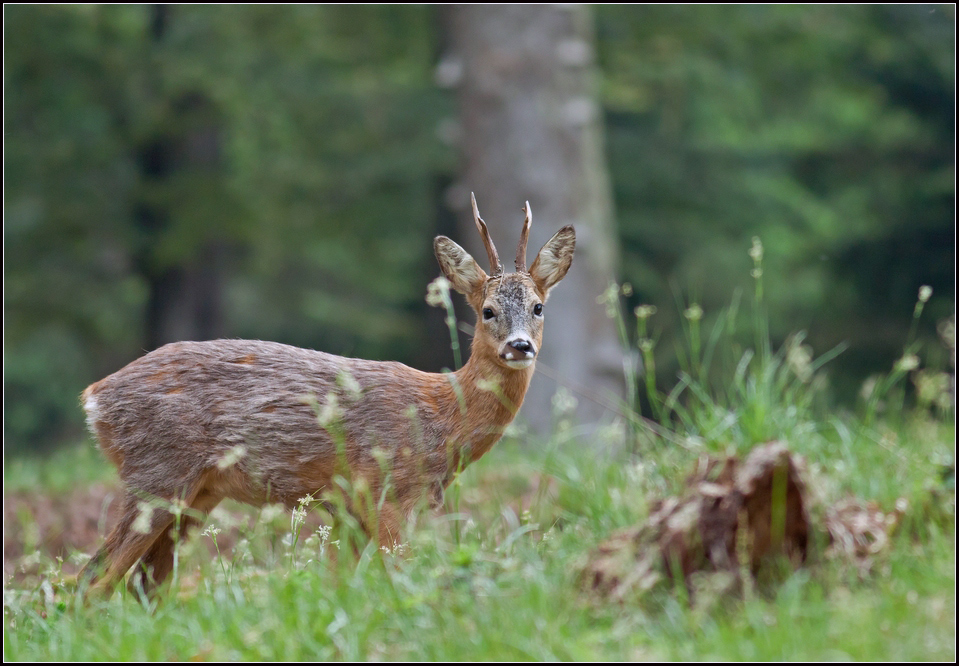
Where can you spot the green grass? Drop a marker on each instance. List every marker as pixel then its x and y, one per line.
pixel 62 470
pixel 496 575
pixel 508 589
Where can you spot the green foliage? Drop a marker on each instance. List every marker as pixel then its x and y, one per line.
pixel 275 172
pixel 730 397
pixel 283 158
pixel 826 130
pixel 65 469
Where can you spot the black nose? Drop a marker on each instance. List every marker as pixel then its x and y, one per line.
pixel 521 346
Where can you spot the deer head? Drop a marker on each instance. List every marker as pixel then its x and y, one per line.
pixel 508 306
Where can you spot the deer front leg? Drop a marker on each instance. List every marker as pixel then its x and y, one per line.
pixel 388 527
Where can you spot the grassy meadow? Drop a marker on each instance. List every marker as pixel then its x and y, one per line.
pixel 497 575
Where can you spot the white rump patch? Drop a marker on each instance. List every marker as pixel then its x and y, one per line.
pixel 92 409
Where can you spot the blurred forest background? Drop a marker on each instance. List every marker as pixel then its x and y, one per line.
pixel 279 172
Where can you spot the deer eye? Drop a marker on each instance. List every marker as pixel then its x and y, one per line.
pixel 488 313
pixel 538 309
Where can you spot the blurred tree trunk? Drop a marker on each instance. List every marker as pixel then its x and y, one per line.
pixel 184 295
pixel 531 129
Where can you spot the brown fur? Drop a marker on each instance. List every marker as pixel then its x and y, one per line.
pixel 197 422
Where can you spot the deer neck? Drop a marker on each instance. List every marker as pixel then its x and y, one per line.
pixel 491 396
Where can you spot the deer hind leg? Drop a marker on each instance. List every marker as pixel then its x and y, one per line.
pixel 126 543
pixel 157 562
pixel 141 525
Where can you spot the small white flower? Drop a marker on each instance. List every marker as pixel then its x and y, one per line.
pixel 610 298
pixel 144 518
pixel 330 412
pixel 438 292
pixel 488 385
pixel 799 359
pixel 299 515
pixel 907 363
pixel 79 559
pixel 925 293
pixel 563 402
pixel 177 508
pixel 271 512
pixel 232 457
pixel 644 311
pixel 693 312
pixel 381 456
pixel 348 383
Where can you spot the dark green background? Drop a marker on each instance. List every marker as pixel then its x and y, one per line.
pixel 282 171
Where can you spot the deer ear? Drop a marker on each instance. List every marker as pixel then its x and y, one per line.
pixel 458 266
pixel 554 260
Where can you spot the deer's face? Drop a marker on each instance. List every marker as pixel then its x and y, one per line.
pixel 509 306
pixel 512 318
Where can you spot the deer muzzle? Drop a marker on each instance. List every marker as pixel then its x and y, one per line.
pixel 518 353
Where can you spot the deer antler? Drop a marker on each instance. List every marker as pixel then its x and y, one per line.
pixel 496 268
pixel 523 240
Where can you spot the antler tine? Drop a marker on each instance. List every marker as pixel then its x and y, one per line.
pixel 494 263
pixel 523 240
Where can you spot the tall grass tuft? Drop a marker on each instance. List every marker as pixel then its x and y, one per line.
pixel 727 397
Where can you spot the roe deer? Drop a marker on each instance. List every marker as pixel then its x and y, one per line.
pixel 197 422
